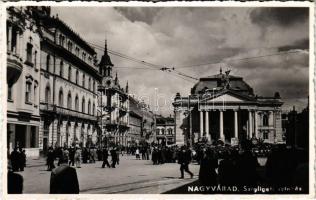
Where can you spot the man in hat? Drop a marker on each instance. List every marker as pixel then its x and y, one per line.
pixel 64 180
pixel 184 159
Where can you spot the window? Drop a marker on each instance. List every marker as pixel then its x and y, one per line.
pixel 61 40
pixel 265 120
pixel 265 135
pixel 47 94
pixel 35 94
pixel 83 56
pixel 93 109
pixel 69 46
pixel 89 107
pixel 61 68
pixel 83 80
pixel 35 59
pixel 77 51
pixel 69 73
pixel 61 98
pixel 29 48
pixel 28 89
pixel 77 76
pixel 83 105
pixel 158 131
pixel 10 92
pixel 77 103
pixel 93 86
pixel 47 62
pixel 69 101
pixel 162 131
pixel 89 84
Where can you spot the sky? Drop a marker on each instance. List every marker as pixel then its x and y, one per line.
pixel 183 38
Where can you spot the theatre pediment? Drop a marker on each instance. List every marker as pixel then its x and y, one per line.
pixel 225 98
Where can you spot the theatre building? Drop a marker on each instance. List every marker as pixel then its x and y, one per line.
pixel 224 107
pixel 23 77
pixel 68 93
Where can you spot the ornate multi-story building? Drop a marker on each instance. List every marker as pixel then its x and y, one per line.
pixel 23 80
pixel 165 133
pixel 69 80
pixel 113 104
pixel 224 107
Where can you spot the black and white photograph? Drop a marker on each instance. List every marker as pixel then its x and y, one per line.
pixel 158 99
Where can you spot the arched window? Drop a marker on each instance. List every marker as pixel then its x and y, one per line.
pixel 61 68
pixel 162 131
pixel 93 109
pixel 265 120
pixel 83 105
pixel 77 103
pixel 61 98
pixel 89 84
pixel 69 73
pixel 158 131
pixel 77 76
pixel 47 94
pixel 93 86
pixel 83 80
pixel 69 46
pixel 69 101
pixel 89 107
pixel 48 63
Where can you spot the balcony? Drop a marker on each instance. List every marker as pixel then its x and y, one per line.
pixel 65 111
pixel 14 67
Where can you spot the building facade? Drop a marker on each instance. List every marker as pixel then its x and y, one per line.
pixel 69 79
pixel 23 80
pixel 165 133
pixel 113 104
pixel 224 107
pixel 141 123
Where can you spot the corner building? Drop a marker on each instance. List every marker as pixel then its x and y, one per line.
pixel 23 80
pixel 224 107
pixel 69 80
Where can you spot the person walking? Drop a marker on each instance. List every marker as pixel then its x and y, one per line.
pixel 64 180
pixel 78 157
pixel 50 159
pixel 114 157
pixel 137 154
pixel 208 165
pixel 14 156
pixel 105 156
pixel 22 160
pixel 184 160
pixel 72 156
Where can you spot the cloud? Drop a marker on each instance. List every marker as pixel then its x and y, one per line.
pixel 177 37
pixel 279 16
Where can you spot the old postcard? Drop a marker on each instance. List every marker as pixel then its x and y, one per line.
pixel 205 99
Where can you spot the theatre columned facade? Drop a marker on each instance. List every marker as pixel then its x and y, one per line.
pixel 224 107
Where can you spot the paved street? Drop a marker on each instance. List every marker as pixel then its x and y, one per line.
pixel 131 176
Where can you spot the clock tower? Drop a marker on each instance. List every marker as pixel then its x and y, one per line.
pixel 105 69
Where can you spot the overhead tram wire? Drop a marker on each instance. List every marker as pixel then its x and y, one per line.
pixel 237 59
pixel 154 66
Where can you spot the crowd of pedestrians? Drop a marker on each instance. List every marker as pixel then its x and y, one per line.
pixel 222 165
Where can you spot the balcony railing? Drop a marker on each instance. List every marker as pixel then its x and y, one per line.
pixel 65 111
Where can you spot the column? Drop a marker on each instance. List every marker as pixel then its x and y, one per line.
pixel 201 124
pixel 207 129
pixel 9 37
pixel 17 43
pixel 221 125
pixel 250 125
pixel 256 124
pixel 236 124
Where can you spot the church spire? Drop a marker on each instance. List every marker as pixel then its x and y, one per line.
pixel 105 47
pixel 126 88
pixel 116 79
